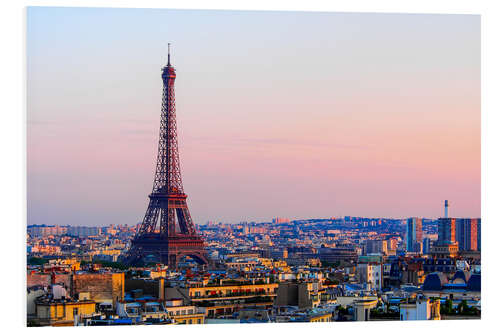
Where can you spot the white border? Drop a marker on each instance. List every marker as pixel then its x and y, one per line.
pixel 13 142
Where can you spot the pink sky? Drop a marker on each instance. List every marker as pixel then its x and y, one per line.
pixel 372 115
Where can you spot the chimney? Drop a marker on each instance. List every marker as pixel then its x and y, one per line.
pixel 446 208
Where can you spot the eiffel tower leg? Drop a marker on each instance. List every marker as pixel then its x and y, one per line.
pixel 171 221
pixel 172 260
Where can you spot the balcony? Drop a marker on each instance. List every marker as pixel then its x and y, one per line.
pixel 233 295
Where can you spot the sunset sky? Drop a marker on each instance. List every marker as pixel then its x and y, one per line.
pixel 292 114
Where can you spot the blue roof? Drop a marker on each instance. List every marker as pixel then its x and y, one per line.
pixel 474 283
pixel 462 275
pixel 461 290
pixel 395 300
pixel 353 287
pixel 435 281
pixel 133 305
pixel 455 285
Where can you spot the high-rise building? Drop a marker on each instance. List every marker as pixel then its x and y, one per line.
pixel 479 234
pixel 413 234
pixel 446 246
pixel 467 234
pixel 446 230
pixel 426 245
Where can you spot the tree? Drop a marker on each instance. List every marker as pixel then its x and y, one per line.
pixel 342 311
pixel 447 307
pixel 111 264
pixel 37 261
pixel 463 308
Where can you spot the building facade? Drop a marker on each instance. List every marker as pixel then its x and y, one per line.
pixel 413 234
pixel 466 231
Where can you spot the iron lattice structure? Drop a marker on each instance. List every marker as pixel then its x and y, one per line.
pixel 176 236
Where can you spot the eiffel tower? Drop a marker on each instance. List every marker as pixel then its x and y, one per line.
pixel 167 201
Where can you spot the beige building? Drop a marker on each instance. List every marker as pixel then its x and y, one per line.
pixel 228 292
pixel 184 314
pixel 101 287
pixel 224 299
pixel 305 295
pixel 362 309
pixel 420 309
pixel 62 313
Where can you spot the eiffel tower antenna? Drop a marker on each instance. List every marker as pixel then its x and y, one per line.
pixel 168 64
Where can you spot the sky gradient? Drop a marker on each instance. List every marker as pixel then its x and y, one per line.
pixel 293 114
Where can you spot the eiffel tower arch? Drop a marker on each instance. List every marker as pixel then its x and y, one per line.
pixel 176 236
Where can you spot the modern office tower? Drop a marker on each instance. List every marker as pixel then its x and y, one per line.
pixel 446 230
pixel 413 234
pixel 479 234
pixel 426 246
pixel 467 234
pixel 446 246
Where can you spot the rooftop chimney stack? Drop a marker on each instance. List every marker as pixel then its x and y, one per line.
pixel 446 208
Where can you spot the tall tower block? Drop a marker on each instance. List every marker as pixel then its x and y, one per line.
pixel 167 232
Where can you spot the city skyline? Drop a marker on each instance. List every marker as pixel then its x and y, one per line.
pixel 380 131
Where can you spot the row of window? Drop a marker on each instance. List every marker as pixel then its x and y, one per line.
pixel 181 312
